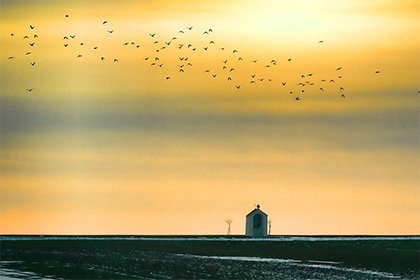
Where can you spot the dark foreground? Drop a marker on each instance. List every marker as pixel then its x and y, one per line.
pixel 122 257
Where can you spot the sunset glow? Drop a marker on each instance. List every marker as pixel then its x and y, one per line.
pixel 113 146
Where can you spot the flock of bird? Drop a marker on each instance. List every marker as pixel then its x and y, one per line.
pixel 296 90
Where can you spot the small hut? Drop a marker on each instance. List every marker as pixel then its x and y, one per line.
pixel 256 223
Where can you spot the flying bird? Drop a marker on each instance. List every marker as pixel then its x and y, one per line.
pixel 28 53
pixel 11 57
pixel 32 63
pixel 104 22
pixel 377 72
pixel 339 68
pixel 25 37
pixel 32 27
pixel 167 78
pixel 29 89
pixel 283 83
pixel 79 56
pixel 31 44
pixel 110 31
pixel 297 98
pixel 115 60
pixel 189 28
pixel 238 86
pixel 102 58
pixel 152 35
pixel 35 36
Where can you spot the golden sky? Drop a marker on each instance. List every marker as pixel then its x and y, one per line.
pixel 91 146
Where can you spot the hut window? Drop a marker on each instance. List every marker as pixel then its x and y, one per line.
pixel 257 221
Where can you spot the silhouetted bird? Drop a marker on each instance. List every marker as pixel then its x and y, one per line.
pixel 110 31
pixel 31 44
pixel 104 22
pixel 32 27
pixel 238 86
pixel 297 98
pixel 29 89
pixel 32 63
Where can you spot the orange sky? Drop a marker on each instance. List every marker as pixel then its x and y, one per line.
pixel 104 147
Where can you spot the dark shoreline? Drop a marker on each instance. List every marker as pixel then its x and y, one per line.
pixel 194 257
